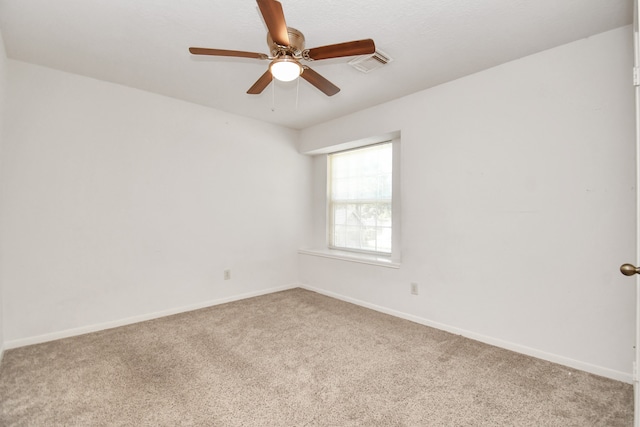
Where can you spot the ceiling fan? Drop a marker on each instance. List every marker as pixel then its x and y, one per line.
pixel 287 49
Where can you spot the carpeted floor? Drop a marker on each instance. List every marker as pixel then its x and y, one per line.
pixel 295 358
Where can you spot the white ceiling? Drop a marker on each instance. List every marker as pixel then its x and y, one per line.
pixel 144 44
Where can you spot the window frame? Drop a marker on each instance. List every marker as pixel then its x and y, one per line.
pixel 395 203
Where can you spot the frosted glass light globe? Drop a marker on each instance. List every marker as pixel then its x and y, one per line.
pixel 285 69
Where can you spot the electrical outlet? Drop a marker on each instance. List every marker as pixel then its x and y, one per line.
pixel 414 289
pixel 227 275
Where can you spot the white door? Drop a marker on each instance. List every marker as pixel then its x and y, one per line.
pixel 628 269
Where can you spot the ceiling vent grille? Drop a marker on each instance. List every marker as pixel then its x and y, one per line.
pixel 368 63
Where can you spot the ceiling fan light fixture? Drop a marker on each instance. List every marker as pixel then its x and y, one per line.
pixel 287 49
pixel 285 68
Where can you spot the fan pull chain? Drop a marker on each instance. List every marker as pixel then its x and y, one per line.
pixel 273 96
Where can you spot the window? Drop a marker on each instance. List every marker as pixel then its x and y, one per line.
pixel 360 200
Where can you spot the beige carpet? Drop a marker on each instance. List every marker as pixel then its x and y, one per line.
pixel 295 358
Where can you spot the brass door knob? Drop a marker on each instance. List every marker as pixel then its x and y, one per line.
pixel 629 270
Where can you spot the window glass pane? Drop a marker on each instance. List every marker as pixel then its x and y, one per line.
pixel 339 215
pixel 384 239
pixel 353 237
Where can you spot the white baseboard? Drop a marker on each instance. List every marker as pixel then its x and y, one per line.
pixel 136 319
pixel 626 377
pixel 583 366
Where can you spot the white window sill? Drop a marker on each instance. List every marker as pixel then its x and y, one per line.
pixel 352 257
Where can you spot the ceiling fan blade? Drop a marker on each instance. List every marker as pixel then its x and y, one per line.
pixel 223 52
pixel 358 47
pixel 274 18
pixel 320 82
pixel 261 84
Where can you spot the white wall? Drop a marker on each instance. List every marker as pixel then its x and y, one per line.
pixel 518 206
pixel 3 91
pixel 517 190
pixel 120 203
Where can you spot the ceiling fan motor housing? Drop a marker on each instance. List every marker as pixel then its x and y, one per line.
pixel 296 44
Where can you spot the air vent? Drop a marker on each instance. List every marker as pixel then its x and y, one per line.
pixel 368 63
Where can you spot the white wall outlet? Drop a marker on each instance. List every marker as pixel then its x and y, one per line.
pixel 227 275
pixel 414 289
